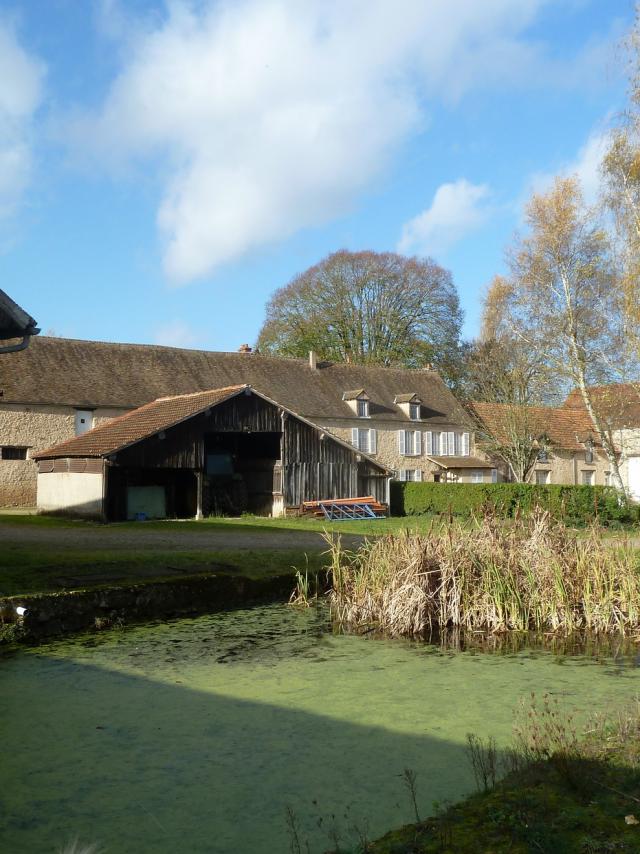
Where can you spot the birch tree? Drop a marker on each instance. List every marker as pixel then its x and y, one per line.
pixel 564 300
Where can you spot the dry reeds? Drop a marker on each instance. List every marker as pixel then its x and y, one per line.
pixel 534 575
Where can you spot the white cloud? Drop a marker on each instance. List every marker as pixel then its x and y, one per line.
pixel 176 333
pixel 585 166
pixel 456 210
pixel 269 116
pixel 21 81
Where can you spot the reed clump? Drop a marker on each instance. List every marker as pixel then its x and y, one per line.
pixel 531 575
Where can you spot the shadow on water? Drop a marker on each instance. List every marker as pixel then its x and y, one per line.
pixel 196 735
pixel 144 766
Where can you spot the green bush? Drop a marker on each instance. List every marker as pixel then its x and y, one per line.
pixel 576 505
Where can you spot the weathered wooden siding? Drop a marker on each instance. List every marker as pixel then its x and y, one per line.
pixel 313 465
pixel 316 468
pixel 183 445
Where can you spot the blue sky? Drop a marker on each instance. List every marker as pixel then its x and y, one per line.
pixel 164 167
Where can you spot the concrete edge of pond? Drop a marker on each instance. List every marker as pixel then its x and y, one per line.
pixel 30 618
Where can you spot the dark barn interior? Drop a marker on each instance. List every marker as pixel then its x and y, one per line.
pixel 244 454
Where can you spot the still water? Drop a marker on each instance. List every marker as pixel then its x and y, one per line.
pixel 196 735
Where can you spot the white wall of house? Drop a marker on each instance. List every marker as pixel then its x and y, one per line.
pixel 74 493
pixel 36 427
pixel 628 441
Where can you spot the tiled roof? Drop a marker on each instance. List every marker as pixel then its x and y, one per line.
pixel 139 424
pixel 566 428
pixel 618 404
pixel 89 374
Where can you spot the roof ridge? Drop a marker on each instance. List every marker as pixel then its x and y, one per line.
pixel 298 359
pixel 198 393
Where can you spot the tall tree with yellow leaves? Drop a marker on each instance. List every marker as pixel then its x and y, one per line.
pixel 563 300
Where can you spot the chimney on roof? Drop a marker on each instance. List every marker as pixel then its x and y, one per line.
pixel 244 348
pixel 313 360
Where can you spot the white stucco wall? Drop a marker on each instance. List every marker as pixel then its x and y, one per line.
pixel 35 427
pixel 75 494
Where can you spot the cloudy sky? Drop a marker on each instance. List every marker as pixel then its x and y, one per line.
pixel 165 166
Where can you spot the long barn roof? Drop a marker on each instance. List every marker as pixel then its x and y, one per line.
pixel 159 415
pixel 91 374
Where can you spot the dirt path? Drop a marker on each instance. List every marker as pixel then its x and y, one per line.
pixel 207 538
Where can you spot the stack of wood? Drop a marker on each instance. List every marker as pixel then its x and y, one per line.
pixel 313 508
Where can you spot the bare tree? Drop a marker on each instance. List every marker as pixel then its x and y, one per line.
pixel 514 433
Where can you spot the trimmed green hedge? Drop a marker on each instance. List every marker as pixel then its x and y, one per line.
pixel 574 504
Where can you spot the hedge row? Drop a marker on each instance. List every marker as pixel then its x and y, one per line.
pixel 575 504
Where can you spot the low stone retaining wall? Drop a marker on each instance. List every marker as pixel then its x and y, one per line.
pixel 51 614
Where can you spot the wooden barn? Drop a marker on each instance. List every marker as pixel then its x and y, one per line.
pixel 225 451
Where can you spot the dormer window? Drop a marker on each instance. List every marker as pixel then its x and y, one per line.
pixel 410 404
pixel 358 401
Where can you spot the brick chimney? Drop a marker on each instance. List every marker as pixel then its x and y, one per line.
pixel 244 348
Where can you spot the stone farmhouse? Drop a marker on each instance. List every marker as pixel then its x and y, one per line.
pixel 570 452
pixel 618 404
pixel 406 421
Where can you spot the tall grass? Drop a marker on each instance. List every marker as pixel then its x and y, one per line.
pixel 533 575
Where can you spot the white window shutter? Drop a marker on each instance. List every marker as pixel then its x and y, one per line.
pixel 402 474
pixel 452 444
pixel 354 436
pixel 417 436
pixel 401 442
pixel 457 444
pixel 465 444
pixel 419 475
pixel 428 442
pixel 444 444
pixel 373 441
pixel 436 444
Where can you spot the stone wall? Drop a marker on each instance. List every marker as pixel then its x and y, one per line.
pixel 36 428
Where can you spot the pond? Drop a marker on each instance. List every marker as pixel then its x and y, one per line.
pixel 197 735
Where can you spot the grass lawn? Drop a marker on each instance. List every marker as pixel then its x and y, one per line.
pixel 245 523
pixel 30 563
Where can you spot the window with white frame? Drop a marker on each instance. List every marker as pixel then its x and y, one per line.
pixel 447 444
pixel 364 439
pixel 477 476
pixel 409 443
pixel 410 475
pixel 414 411
pixel 542 477
pixel 494 475
pixel 83 421
pixel 607 479
pixel 362 407
pixel 588 478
